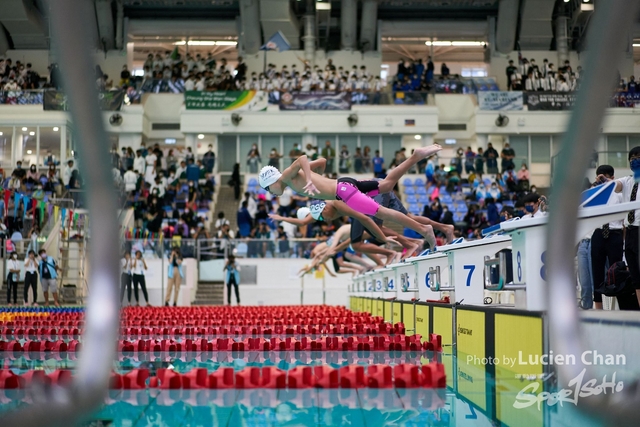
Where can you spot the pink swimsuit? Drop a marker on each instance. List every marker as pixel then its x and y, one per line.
pixel 358 195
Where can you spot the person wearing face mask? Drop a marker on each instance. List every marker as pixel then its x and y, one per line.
pixel 32 175
pixel 274 158
pixel 253 159
pixel 19 172
pixel 12 278
pixel 30 277
pixel 494 192
pixel 506 213
pixel 48 270
pixel 533 205
pixel 138 266
pixel 628 186
pixel 606 249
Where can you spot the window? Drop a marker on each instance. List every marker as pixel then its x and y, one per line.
pixel 474 72
pixel 540 149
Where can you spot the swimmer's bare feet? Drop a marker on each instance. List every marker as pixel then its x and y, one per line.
pixel 424 152
pixel 412 248
pixel 449 233
pixel 397 257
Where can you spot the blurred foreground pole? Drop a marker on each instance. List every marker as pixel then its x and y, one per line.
pixel 70 21
pixel 606 40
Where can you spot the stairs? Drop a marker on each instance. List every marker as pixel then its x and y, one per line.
pixel 228 204
pixel 209 293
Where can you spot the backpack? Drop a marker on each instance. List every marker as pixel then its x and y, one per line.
pixel 617 282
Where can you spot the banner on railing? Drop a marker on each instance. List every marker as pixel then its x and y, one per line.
pixel 500 100
pixel 550 100
pixel 21 97
pixel 57 101
pixel 626 100
pixel 247 100
pixel 315 101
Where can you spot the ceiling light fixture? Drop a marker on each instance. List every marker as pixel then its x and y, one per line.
pixel 29 152
pixel 1 134
pixel 418 137
pixel 455 43
pixel 56 129
pixel 206 43
pixel 200 136
pixel 24 129
pixel 32 133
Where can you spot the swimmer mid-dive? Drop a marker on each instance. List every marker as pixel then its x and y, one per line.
pixel 305 177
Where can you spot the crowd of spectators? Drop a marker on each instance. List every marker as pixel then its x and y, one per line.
pixel 529 76
pixel 199 73
pixel 169 190
pixel 18 76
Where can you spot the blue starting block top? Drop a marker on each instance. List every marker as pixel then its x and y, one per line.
pixel 597 196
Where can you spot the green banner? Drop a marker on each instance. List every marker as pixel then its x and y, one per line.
pixel 248 100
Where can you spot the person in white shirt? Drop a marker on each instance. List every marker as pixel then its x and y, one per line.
pixel 130 180
pixel 533 205
pixel 159 186
pixel 139 164
pixel 190 83
pixel 11 86
pixel 138 267
pixel 125 276
pixel 607 245
pixel 30 277
pixel 562 85
pixel 150 171
pixel 285 202
pixel 181 169
pixel 12 278
pixel 628 186
pixel 305 84
pixel 201 84
pixel 221 221
pixel 68 171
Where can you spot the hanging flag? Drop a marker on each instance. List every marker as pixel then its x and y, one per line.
pixel 26 202
pixel 277 42
pixel 7 195
pixel 174 54
pixel 16 203
pixel 41 205
pixel 70 218
pixel 75 220
pixel 34 205
pixel 55 213
pixel 63 217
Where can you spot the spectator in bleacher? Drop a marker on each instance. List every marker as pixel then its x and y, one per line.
pixel 444 70
pixel 244 220
pixel 479 162
pixel 139 164
pixel 130 180
pixel 469 160
pixel 295 152
pixel 329 153
pixel 151 168
pixel 494 192
pixel 208 159
pixel 48 270
pixel 68 172
pixel 220 221
pixel 343 166
pixel 50 159
pixel 366 159
pixel 511 69
pixel 523 173
pixel 175 275
pixel 235 181
pixel 491 156
pixel 253 159
pixel 286 202
pixel 274 158
pixel 357 161
pixel 507 155
pixel 456 162
pixel 378 165
pixel 252 206
pixel 562 85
